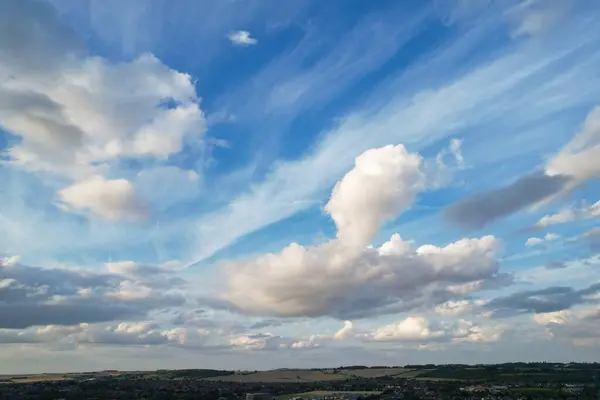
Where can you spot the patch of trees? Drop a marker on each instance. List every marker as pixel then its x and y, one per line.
pixel 417 366
pixel 513 373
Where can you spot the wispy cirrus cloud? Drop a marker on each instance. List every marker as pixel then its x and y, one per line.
pixel 136 28
pixel 498 86
pixel 322 65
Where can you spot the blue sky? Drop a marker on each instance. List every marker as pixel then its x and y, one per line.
pixel 226 179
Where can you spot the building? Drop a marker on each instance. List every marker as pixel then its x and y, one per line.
pixel 259 396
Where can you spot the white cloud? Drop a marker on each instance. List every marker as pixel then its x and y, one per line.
pixel 571 214
pixel 459 307
pixel 343 277
pixel 579 326
pixel 135 327
pixel 409 329
pixel 268 341
pixel 164 135
pixel 122 267
pixel 124 333
pixel 420 329
pixel 558 218
pixel 578 159
pixel 551 236
pixel 345 332
pixel 242 38
pixel 535 241
pixel 188 337
pixel 10 260
pixel 310 343
pixel 109 199
pixel 75 115
pixel 465 288
pixel 134 269
pixel 257 341
pixel 131 291
pixel 382 184
pixel 482 334
pixel 104 111
pixel 455 148
pixel 556 317
pixel 56 333
pixel 5 283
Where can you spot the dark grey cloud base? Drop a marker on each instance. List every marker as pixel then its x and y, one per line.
pixel 480 209
pixel 32 296
pixel 551 299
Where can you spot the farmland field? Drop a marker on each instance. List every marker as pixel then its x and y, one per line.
pixel 435 379
pixel 33 378
pixel 274 376
pixel 303 375
pixel 30 378
pixel 281 376
pixel 376 372
pixel 412 373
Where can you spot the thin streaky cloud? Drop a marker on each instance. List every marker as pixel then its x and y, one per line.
pixel 487 92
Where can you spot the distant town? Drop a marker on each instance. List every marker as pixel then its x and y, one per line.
pixel 501 381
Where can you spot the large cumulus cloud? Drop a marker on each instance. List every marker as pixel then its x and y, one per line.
pixel 77 115
pixel 382 183
pixel 345 277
